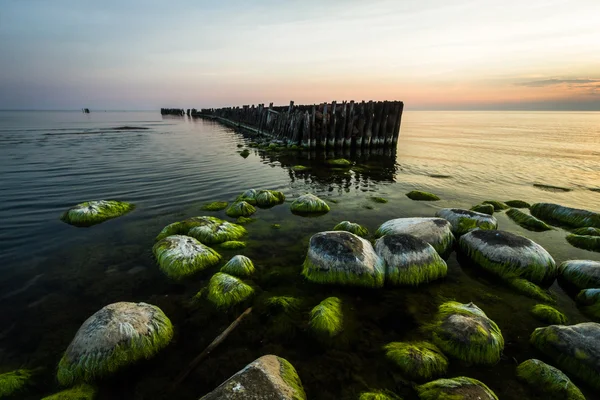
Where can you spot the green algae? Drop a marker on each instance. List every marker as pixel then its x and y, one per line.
pixel 527 221
pixel 94 212
pixel 551 188
pixel 181 256
pixel 225 290
pixel 287 304
pixel 215 206
pixel 498 205
pixel 299 168
pixel 484 209
pixel 244 220
pixel 14 382
pixel 378 395
pixel 276 226
pixel 590 298
pixel 215 231
pixel 460 388
pixel 418 360
pixel 548 314
pixel 379 200
pixel 581 274
pixel 517 204
pixel 420 195
pixel 244 153
pixel 240 209
pixel 587 231
pixel 530 289
pixel 338 162
pixel 269 198
pixel 240 266
pixel 591 243
pixel 233 245
pixel 309 203
pixel 464 221
pixel 352 227
pixel 291 378
pixel 548 381
pixel 327 318
pixel 249 196
pixel 79 392
pixel 572 217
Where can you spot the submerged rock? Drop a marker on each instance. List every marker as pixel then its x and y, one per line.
pixel 378 395
pixel 464 221
pixel 117 335
pixel 94 212
pixel 379 200
pixel 239 265
pixel 240 209
pixel 591 243
pixel 565 215
pixel 244 220
pixel 215 206
pixel 517 204
pixel 269 198
pixel 299 168
pixel 484 209
pixel 422 196
pixel 590 298
pixel 212 230
pixel 530 289
pixel 574 349
pixel 352 227
pixel 342 258
pixel 181 256
pixel 409 260
pixel 464 331
pixel 225 290
pixel 527 221
pixel 580 274
pixel 269 378
pixel 548 381
pixel 249 196
pixel 233 245
pixel 461 388
pixel 586 231
pixel 418 360
pixel 548 314
pixel 79 392
pixel 435 231
pixel 498 205
pixel 338 162
pixel 327 318
pixel 13 382
pixel 309 203
pixel 508 255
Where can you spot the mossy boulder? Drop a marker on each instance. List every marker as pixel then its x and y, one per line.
pixel 342 258
pixel 379 200
pixel 508 255
pixel 15 382
pixel 240 266
pixel 464 221
pixel 249 196
pixel 269 377
pixel 244 220
pixel 79 392
pixel 463 331
pixel 498 205
pixel 240 209
pixel 215 206
pixel 352 227
pixel 409 260
pixel 338 162
pixel 214 231
pixel 590 298
pixel 269 198
pixel 420 195
pixel 530 289
pixel 550 382
pixel 309 203
pixel 548 314
pixel 114 337
pixel 378 395
pixel 579 274
pixel 568 216
pixel 233 245
pixel 327 318
pixel 591 243
pixel 226 290
pixel 484 209
pixel 94 212
pixel 417 360
pixel 573 348
pixel 435 231
pixel 587 231
pixel 527 221
pixel 460 388
pixel 517 204
pixel 181 256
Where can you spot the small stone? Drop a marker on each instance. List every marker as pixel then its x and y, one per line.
pixel 420 195
pixel 591 243
pixel 233 245
pixel 276 226
pixel 269 198
pixel 498 205
pixel 573 217
pixel 309 203
pixel 215 206
pixel 590 298
pixel 327 319
pixel 461 388
pixel 379 200
pixel 484 209
pixel 249 196
pixel 338 162
pixel 14 382
pixel 527 221
pixel 79 392
pixel 352 227
pixel 548 314
pixel 215 231
pixel 240 266
pixel 417 361
pixel 517 204
pixel 225 290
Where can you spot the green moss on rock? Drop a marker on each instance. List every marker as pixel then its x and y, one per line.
pixel 422 196
pixel 418 360
pixel 225 290
pixel 572 217
pixel 484 209
pixel 530 289
pixel 590 298
pixel 587 231
pixel 378 395
pixel 276 226
pixel 379 200
pixel 548 381
pixel 181 256
pixel 233 245
pixel 309 203
pixel 435 231
pixel 517 204
pixel 327 318
pixel 94 212
pixel 215 231
pixel 215 206
pixel 498 205
pixel 580 274
pixel 79 392
pixel 240 266
pixel 269 198
pixel 244 153
pixel 240 209
pixel 14 382
pixel 591 243
pixel 338 162
pixel 548 314
pixel 352 227
pixel 299 168
pixel 527 221
pixel 460 388
pixel 244 220
pixel 249 196
pixel 464 221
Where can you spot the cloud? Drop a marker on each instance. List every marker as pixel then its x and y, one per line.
pixel 554 81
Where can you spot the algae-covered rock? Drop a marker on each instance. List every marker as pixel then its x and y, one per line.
pixel 276 226
pixel 300 168
pixel 117 335
pixel 409 260
pixel 309 203
pixel 249 196
pixel 464 221
pixel 269 198
pixel 418 360
pixel 435 231
pixel 94 212
pixel 181 256
pixel 240 209
pixel 210 230
pixel 587 231
pixel 352 227
pixel 215 206
pixel 530 289
pixel 591 243
pixel 338 162
pixel 461 388
pixel 240 266
pixel 233 245
pixel 327 318
pixel 498 205
pixel 517 204
pixel 225 290
pixel 574 348
pixel 590 298
pixel 379 200
pixel 527 221
pixel 342 258
pixel 79 392
pixel 378 395
pixel 244 220
pixel 548 381
pixel 244 153
pixel 484 209
pixel 14 382
pixel 464 331
pixel 573 217
pixel 548 314
pixel 581 274
pixel 269 378
pixel 422 196
pixel 508 255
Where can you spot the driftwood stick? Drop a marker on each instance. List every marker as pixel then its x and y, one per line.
pixel 192 365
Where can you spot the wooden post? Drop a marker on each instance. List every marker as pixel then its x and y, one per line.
pixel 306 130
pixel 361 125
pixel 398 121
pixel 341 128
pixel 324 128
pixel 369 124
pixel 376 123
pixel 349 126
pixel 383 126
pixel 391 122
pixel 313 128
pixel 332 124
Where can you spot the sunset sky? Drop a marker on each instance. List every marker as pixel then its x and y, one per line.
pixel 432 54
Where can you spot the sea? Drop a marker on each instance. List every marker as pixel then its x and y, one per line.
pixel 53 276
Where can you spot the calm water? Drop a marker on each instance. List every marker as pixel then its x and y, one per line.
pixel 53 276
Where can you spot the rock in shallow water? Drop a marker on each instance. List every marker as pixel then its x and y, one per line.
pixel 484 209
pixel 409 260
pixel 327 318
pixel 181 256
pixel 435 231
pixel 269 198
pixel 352 227
pixel 548 314
pixel 422 196
pixel 417 360
pixel 225 290
pixel 548 381
pixel 79 392
pixel 240 209
pixel 342 258
pixel 527 221
pixel 94 212
pixel 13 382
pixel 574 217
pixel 590 298
pixel 309 203
pixel 580 274
pixel 464 221
pixel 114 337
pixel 586 242
pixel 239 265
pixel 508 255
pixel 267 378
pixel 208 230
pixel 461 388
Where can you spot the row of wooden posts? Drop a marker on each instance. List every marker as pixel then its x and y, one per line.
pixel 346 124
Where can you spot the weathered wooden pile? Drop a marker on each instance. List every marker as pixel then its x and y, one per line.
pixel 346 124
pixel 172 111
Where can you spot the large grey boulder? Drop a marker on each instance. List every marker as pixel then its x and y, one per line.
pixel 464 221
pixel 435 231
pixel 580 274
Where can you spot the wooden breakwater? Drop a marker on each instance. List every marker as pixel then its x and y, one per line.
pixel 328 125
pixel 173 111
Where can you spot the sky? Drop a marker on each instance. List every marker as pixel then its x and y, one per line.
pixel 432 54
